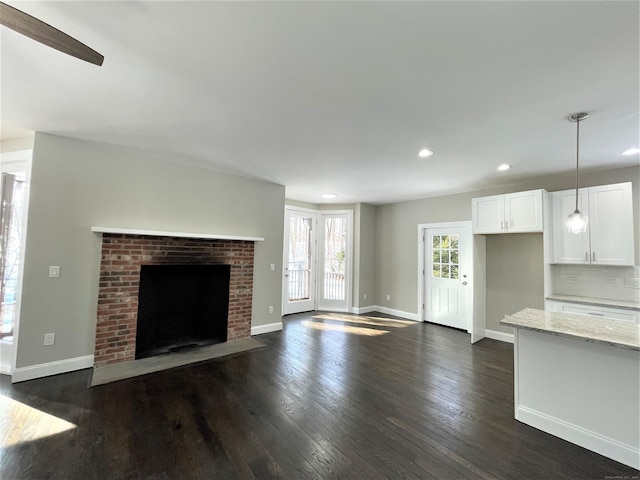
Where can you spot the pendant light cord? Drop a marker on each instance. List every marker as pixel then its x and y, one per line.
pixel 577 157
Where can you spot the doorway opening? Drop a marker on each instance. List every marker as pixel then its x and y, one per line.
pixel 449 293
pixel 317 260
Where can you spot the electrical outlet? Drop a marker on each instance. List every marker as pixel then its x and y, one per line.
pixel 364 296
pixel 611 281
pixel 54 271
pixel 272 267
pixel 270 308
pixel 49 338
pixel 388 297
pixel 572 278
pixel 632 282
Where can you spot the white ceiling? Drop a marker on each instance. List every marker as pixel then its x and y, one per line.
pixel 340 96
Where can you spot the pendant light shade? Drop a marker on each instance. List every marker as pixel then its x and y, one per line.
pixel 577 221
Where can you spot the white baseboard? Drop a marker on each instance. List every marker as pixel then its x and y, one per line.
pixel 22 374
pixel 496 335
pixel 361 310
pixel 397 313
pixel 595 442
pixel 268 328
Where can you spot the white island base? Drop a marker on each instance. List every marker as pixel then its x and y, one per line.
pixel 583 390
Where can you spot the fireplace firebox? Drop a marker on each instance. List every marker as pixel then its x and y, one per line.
pixel 181 307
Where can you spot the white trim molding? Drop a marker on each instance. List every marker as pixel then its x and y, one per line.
pixel 268 328
pixel 160 233
pixel 502 336
pixel 22 374
pixel 363 310
pixel 397 313
pixel 609 447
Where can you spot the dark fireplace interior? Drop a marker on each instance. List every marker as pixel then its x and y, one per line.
pixel 181 307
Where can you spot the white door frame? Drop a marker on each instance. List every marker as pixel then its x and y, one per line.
pixel 348 274
pixel 12 162
pixel 317 275
pixel 313 301
pixel 476 326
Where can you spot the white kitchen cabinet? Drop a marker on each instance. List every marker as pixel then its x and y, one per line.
pixel 609 236
pixel 509 213
pixel 597 311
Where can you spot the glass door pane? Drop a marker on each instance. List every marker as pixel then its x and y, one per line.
pixel 335 243
pixel 299 268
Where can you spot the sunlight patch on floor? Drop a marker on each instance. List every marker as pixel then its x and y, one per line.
pixel 366 320
pixel 27 424
pixel 337 327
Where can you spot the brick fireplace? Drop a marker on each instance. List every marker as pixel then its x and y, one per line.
pixel 121 259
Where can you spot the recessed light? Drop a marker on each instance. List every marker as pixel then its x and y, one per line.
pixel 504 167
pixel 424 153
pixel 631 151
pixel 328 195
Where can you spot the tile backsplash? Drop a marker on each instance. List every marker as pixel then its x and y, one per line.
pixel 597 281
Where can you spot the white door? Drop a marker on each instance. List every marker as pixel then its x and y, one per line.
pixel 448 266
pixel 334 272
pixel 298 287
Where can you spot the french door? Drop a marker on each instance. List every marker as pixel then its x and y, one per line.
pixel 317 261
pixel 334 272
pixel 299 286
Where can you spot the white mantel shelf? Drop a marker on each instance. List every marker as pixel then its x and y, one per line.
pixel 160 233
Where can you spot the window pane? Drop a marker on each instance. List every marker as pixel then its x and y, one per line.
pixel 436 256
pixel 454 257
pixel 454 241
pixel 445 271
pixel 436 270
pixel 335 229
pixel 436 241
pixel 445 256
pixel 445 241
pixel 454 272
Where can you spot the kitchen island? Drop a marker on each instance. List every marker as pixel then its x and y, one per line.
pixel 578 378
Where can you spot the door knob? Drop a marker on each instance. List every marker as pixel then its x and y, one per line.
pixel 464 283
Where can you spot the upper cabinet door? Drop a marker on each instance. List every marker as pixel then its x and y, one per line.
pixel 523 212
pixel 488 214
pixel 569 247
pixel 611 219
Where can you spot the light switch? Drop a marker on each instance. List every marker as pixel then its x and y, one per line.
pixel 272 267
pixel 54 271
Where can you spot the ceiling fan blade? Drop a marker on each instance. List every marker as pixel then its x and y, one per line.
pixel 44 33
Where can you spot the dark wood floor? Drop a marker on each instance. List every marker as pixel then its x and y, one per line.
pixel 330 396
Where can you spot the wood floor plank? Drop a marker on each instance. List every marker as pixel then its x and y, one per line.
pixel 331 396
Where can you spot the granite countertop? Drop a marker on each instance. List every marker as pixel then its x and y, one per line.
pixel 607 331
pixel 598 302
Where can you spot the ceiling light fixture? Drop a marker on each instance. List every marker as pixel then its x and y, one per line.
pixel 424 153
pixel 631 151
pixel 577 222
pixel 504 167
pixel 328 195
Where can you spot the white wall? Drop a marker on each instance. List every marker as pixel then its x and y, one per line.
pixel 76 185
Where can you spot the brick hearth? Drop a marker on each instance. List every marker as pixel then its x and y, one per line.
pixel 122 256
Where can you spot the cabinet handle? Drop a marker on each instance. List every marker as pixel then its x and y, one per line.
pixel 506 225
pixel 586 257
pixel 597 314
pixel 502 226
pixel 593 256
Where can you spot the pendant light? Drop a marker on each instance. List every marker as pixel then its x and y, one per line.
pixel 577 221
